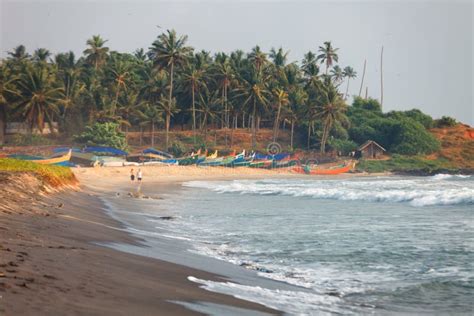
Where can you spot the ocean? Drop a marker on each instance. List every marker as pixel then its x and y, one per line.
pixel 365 245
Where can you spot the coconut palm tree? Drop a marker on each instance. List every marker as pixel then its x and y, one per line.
pixel 297 100
pixel 255 94
pixel 279 57
pixel 169 109
pixel 281 100
pixel 337 75
pixel 38 98
pixel 151 115
pixel 19 53
pixel 169 51
pixel 41 55
pixel 258 58
pixel 7 80
pixel 193 80
pixel 309 65
pixel 119 72
pixel 332 110
pixel 97 53
pixel 349 73
pixel 328 55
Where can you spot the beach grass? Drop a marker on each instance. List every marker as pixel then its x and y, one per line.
pixel 399 163
pixel 51 175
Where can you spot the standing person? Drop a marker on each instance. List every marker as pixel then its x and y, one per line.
pixel 139 176
pixel 132 175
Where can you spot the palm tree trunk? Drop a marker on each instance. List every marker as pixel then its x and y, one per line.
pixel 276 123
pixel 347 89
pixel 141 135
pixel 309 133
pixel 326 129
pixel 243 119
pixel 152 134
pixel 292 131
pixel 168 119
pixel 194 116
pixel 254 127
pixel 232 132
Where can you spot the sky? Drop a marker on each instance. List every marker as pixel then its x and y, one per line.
pixel 428 45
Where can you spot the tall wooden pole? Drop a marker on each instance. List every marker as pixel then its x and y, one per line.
pixel 381 78
pixel 363 76
pixel 366 92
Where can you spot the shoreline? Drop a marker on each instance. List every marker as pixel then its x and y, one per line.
pixel 52 262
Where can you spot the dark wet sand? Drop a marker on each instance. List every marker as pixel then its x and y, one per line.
pixel 49 265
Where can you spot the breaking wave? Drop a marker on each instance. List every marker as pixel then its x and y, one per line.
pixel 437 190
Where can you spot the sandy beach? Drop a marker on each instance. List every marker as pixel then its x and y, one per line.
pixel 50 262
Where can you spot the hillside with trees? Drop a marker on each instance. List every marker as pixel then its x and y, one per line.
pixel 155 96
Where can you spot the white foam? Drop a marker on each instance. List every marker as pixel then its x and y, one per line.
pixel 293 302
pixel 417 192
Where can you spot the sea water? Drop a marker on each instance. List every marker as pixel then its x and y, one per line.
pixel 380 245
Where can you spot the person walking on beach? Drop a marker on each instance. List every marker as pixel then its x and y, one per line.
pixel 139 176
pixel 132 175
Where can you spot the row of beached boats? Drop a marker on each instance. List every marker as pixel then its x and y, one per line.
pixel 112 157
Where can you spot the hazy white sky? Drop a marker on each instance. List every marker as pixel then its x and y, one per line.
pixel 428 45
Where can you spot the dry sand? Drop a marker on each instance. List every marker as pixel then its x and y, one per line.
pixel 50 263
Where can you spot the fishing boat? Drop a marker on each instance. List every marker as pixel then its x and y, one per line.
pixel 158 153
pixel 267 163
pixel 319 170
pixel 187 161
pixel 62 160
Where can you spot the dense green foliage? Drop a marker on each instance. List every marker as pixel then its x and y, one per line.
pixel 53 175
pixel 104 92
pixel 103 134
pixel 445 121
pixel 399 132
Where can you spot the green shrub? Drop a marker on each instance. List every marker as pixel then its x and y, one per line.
pixel 445 121
pixel 415 114
pixel 343 146
pixel 177 148
pixel 103 134
pixel 30 140
pixel 411 138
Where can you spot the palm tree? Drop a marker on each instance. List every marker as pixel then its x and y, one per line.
pixel 151 115
pixel 96 54
pixel 281 99
pixel 207 105
pixel 169 109
pixel 41 55
pixel 193 80
pixel 119 72
pixel 328 55
pixel 38 98
pixel 332 110
pixel 255 94
pixel 169 51
pixel 7 80
pixel 297 100
pixel 258 58
pixel 310 65
pixel 279 57
pixel 225 75
pixel 349 73
pixel 337 75
pixel 19 53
